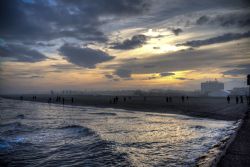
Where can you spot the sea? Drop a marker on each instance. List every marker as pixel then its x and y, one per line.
pixel 36 134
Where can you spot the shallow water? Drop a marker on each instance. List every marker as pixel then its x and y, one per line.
pixel 39 134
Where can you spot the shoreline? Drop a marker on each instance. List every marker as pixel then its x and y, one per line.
pixel 200 107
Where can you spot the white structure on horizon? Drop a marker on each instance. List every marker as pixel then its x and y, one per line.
pixel 213 88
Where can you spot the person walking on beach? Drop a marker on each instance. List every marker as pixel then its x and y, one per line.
pixel 49 101
pixel 167 99
pixel 182 99
pixel 228 99
pixel 72 100
pixel 63 100
pixel 237 99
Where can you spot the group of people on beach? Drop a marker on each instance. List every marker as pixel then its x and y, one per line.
pixel 34 98
pixel 168 99
pixel 115 100
pixel 58 99
pixel 237 99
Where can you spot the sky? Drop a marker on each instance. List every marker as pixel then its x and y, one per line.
pixel 122 44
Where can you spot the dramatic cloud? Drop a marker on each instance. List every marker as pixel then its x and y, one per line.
pixel 123 73
pixel 164 74
pixel 202 20
pixel 243 69
pixel 85 57
pixel 197 59
pixel 135 42
pixel 176 31
pixel 219 39
pixel 241 19
pixel 46 20
pixel 20 53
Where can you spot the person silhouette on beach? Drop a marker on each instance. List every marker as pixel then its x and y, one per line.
pixel 237 99
pixel 241 99
pixel 187 97
pixel 49 101
pixel 167 99
pixel 228 99
pixel 72 100
pixel 182 99
pixel 63 100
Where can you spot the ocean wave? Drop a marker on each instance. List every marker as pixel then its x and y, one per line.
pixel 79 129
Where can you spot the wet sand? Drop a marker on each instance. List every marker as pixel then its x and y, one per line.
pixel 204 107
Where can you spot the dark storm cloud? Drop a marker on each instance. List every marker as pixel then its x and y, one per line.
pixel 164 74
pixel 20 53
pixel 177 31
pixel 170 8
pixel 219 39
pixel 135 42
pixel 123 73
pixel 43 20
pixel 242 69
pixel 236 19
pixel 84 57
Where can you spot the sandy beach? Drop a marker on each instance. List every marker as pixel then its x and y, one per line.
pixel 204 107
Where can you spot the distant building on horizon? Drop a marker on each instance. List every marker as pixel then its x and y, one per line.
pixel 213 88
